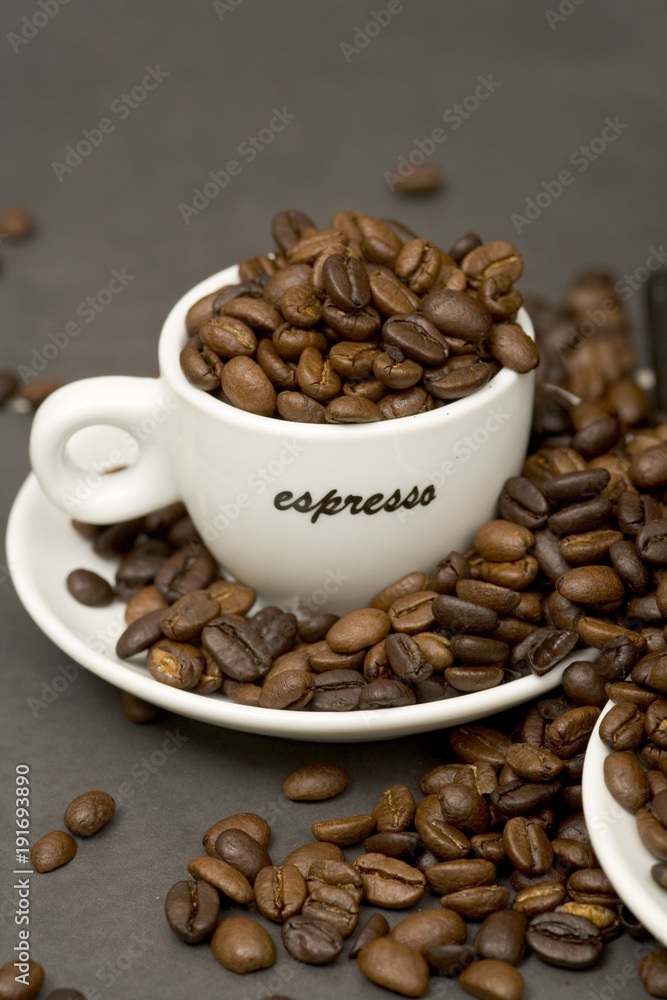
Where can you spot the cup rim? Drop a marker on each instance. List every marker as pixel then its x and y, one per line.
pixel 173 338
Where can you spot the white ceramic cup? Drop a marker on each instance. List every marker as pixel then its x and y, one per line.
pixel 262 492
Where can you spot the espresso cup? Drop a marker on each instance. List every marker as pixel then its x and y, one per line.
pixel 315 517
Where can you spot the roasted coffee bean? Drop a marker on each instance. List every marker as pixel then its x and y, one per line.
pixel 147 599
pixel 417 338
pixel 566 940
pixel 464 616
pixel 479 776
pixel 277 628
pixel 502 936
pixel 201 366
pixel 345 831
pixel 402 844
pixel 252 824
pixel 28 988
pixel 652 833
pixel 622 728
pixel 395 966
pixel 591 887
pixel 351 410
pixel 459 377
pixel 390 882
pixel 580 517
pixel 511 346
pixel 543 649
pixel 527 845
pixel 118 538
pixel 242 945
pixel 287 228
pixel 591 585
pixel 300 307
pixel 89 588
pixel 655 723
pixel 533 763
pixel 540 898
pixel 501 541
pixel 192 567
pixel 477 902
pixel 572 853
pixel 280 892
pixel 52 851
pixel 358 630
pixel 337 691
pixel 492 979
pixel 474 743
pixel 394 810
pixel 315 782
pixel 192 910
pixel 261 316
pixel 240 693
pixel 338 874
pixel 228 880
pixel 445 841
pixel 569 733
pixel 236 647
pixel 406 659
pixel 242 852
pixel 346 282
pixel 185 619
pixel 653 973
pixel 375 927
pixel 313 941
pixel 385 693
pixel 429 929
pixel 583 684
pixel 177 664
pixel 457 314
pixel 335 906
pixel 413 613
pixel 651 542
pixel 139 711
pixel 303 857
pixel 247 387
pixel 139 566
pixel 140 634
pixel 88 813
pixel 519 798
pixel 449 959
pixel 451 876
pixel 464 808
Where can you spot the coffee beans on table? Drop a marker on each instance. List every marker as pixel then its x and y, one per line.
pixel 52 851
pixel 89 812
pixel 30 986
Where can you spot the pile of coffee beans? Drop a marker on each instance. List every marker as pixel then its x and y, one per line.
pixel 498 837
pixel 360 322
pixel 84 816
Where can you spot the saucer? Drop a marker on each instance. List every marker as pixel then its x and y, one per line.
pixel 43 548
pixel 615 840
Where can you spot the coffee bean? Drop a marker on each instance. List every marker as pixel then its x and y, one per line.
pixel 315 782
pixel 653 973
pixel 533 763
pixel 539 898
pixel 622 728
pixel 457 314
pixel 527 845
pixel 403 844
pixel 413 613
pixel 569 733
pixel 464 808
pixel 572 486
pixel 139 711
pixel 501 541
pixel 394 810
pixel 89 588
pixel 337 691
pixel 358 630
pixel 492 979
pixel 252 824
pixel 565 939
pixel 464 616
pixel 223 876
pixel 478 901
pixel 458 377
pixel 178 664
pixel 192 910
pixel 290 689
pixel 479 776
pixel 287 228
pixel 429 928
pixel 445 841
pixel 234 598
pixel 142 633
pixel 335 906
pixel 339 874
pixel 591 585
pixel 192 567
pixel 280 892
pixel 88 813
pixel 303 857
pixel 346 831
pixel 52 850
pixel 450 876
pixel 395 966
pixel 238 849
pixel 385 693
pixel 390 882
pixel 572 853
pixel 30 986
pixel 591 887
pixel 474 743
pixel 582 683
pixel 315 942
pixel 519 798
pixel 351 410
pixel 375 927
pixel 236 647
pixel 502 936
pixel 242 945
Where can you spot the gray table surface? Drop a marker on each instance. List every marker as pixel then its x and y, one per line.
pixel 360 101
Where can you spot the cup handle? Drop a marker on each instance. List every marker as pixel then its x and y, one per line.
pixel 138 406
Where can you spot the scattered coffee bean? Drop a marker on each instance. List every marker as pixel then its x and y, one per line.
pixel 88 813
pixel 52 851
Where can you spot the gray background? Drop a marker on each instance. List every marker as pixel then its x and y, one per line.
pixel 119 209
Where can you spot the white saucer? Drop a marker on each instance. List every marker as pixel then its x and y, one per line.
pixel 613 833
pixel 42 548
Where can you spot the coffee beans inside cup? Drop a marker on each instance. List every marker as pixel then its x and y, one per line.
pixel 360 322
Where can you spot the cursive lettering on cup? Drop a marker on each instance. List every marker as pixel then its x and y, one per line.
pixel 333 503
